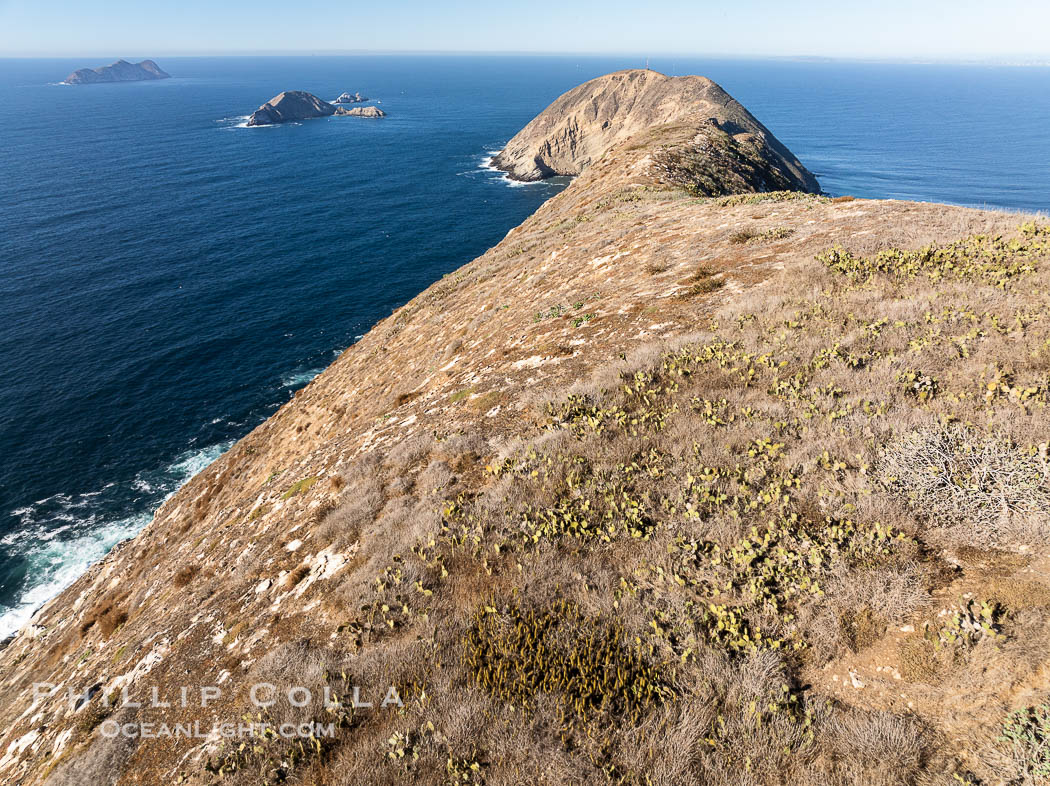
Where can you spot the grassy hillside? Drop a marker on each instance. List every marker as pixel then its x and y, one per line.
pixel 662 489
pixel 802 545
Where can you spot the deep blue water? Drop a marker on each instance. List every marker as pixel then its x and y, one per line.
pixel 170 278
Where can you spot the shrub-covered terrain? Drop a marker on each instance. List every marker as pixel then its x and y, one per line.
pixel 765 553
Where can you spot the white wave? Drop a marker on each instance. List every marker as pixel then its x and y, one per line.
pixel 190 463
pixel 299 378
pixel 241 121
pixel 488 159
pixel 55 564
pixel 486 165
pixel 61 536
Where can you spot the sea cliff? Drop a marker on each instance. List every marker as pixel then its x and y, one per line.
pixel 694 477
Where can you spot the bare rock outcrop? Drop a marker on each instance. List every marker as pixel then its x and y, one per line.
pixel 289 107
pixel 361 111
pixel 713 134
pixel 346 98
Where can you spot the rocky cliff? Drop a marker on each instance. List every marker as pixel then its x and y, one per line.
pixel 717 138
pixel 662 488
pixel 120 71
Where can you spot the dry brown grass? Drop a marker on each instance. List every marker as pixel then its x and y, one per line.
pixel 184 576
pixel 748 505
pixel 719 507
pixel 982 482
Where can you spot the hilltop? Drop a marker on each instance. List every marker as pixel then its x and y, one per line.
pixel 681 482
pixel 736 150
pixel 120 71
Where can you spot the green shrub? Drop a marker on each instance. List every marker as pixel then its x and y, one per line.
pixel 515 653
pixel 1028 732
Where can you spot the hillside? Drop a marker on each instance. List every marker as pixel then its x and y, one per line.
pixel 728 146
pixel 672 485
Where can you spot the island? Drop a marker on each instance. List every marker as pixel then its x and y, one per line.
pixel 698 476
pixel 346 98
pixel 362 111
pixel 295 105
pixel 120 71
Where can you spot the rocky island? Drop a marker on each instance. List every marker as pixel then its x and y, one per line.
pixel 346 98
pixel 120 71
pixel 362 111
pixel 296 105
pixel 698 476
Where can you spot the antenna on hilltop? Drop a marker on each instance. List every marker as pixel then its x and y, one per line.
pixel 647 64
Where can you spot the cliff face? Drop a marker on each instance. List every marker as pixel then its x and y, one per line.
pixel 643 492
pixel 120 71
pixel 718 133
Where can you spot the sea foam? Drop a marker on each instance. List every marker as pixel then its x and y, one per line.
pixel 299 378
pixel 59 537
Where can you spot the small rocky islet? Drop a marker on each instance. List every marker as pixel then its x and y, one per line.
pixel 295 105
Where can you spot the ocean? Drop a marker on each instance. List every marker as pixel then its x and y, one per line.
pixel 171 277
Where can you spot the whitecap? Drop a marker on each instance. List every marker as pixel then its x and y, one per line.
pixel 486 165
pixel 61 536
pixel 299 378
pixel 57 563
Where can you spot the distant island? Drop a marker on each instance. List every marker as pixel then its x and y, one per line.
pixel 346 98
pixel 295 105
pixel 120 71
pixel 362 111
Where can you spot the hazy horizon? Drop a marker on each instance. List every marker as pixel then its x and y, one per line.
pixel 961 31
pixel 657 61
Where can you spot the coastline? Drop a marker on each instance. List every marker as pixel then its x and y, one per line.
pixel 676 427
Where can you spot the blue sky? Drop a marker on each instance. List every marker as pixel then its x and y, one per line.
pixel 912 29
